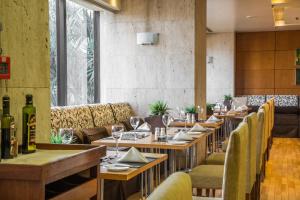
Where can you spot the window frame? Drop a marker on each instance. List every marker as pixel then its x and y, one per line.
pixel 62 67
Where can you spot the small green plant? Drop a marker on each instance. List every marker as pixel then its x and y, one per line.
pixel 55 138
pixel 227 97
pixel 210 106
pixel 191 109
pixel 159 108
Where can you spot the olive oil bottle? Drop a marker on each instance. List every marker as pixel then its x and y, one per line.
pixel 29 126
pixel 6 121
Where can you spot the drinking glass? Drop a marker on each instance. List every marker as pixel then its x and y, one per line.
pixel 116 132
pixel 134 122
pixel 167 119
pixel 66 135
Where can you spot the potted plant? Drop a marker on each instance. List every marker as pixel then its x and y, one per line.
pixel 210 108
pixel 192 110
pixel 157 110
pixel 227 101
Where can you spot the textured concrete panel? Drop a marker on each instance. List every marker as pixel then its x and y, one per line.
pixel 143 74
pixel 26 40
pixel 220 73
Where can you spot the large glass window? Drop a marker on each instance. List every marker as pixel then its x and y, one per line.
pixel 53 52
pixel 76 84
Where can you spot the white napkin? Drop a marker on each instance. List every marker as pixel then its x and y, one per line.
pixel 133 155
pixel 181 136
pixel 241 108
pixel 197 128
pixel 213 119
pixel 144 127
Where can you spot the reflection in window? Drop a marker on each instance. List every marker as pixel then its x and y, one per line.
pixel 53 52
pixel 80 54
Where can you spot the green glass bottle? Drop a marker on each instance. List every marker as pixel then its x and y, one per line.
pixel 29 126
pixel 6 130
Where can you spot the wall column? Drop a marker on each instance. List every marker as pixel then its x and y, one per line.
pixel 200 53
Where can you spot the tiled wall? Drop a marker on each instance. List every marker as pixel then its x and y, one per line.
pixel 25 39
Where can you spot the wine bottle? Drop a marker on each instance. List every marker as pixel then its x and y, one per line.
pixel 29 126
pixel 6 130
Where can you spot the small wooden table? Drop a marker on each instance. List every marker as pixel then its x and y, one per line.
pixel 29 176
pixel 148 143
pixel 133 172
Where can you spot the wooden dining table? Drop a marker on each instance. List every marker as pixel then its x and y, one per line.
pixel 146 172
pixel 195 150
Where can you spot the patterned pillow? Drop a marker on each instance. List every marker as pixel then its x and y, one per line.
pixel 122 111
pixel 76 117
pixel 284 100
pixel 56 116
pixel 256 100
pixel 102 114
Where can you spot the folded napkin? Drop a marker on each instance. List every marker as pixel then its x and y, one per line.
pixel 144 127
pixel 242 108
pixel 197 128
pixel 133 155
pixel 212 119
pixel 181 136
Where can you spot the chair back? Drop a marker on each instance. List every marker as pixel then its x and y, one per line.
pixel 234 180
pixel 266 109
pixel 259 140
pixel 251 120
pixel 178 186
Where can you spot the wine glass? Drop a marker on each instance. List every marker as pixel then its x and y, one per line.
pixel 167 119
pixel 66 135
pixel 116 132
pixel 134 122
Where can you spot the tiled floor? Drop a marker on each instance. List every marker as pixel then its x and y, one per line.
pixel 283 171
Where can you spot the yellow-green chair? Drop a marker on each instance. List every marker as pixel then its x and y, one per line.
pixel 211 176
pixel 259 150
pixel 179 186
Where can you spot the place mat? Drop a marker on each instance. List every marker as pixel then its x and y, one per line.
pixel 112 160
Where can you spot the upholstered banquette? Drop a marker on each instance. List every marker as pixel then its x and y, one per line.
pixel 92 121
pixel 287 113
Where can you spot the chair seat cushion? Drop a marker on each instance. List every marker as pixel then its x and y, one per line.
pixel 216 159
pixel 207 176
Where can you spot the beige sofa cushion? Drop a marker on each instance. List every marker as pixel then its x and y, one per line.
pixel 102 114
pixel 76 117
pixel 122 111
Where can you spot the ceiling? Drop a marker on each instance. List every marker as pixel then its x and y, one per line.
pixel 249 15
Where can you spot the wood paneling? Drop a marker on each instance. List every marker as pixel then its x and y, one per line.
pixel 287 40
pixel 265 63
pixel 287 91
pixel 255 60
pixel 285 60
pixel 254 79
pixel 254 91
pixel 258 41
pixel 285 79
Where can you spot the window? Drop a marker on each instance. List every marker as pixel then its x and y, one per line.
pixel 74 53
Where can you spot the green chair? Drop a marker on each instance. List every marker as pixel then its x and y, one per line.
pixel 211 176
pixel 179 185
pixel 260 169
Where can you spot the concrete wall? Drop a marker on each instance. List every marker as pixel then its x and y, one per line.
pixel 220 73
pixel 25 39
pixel 142 74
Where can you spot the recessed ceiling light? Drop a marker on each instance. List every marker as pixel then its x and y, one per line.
pixel 250 17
